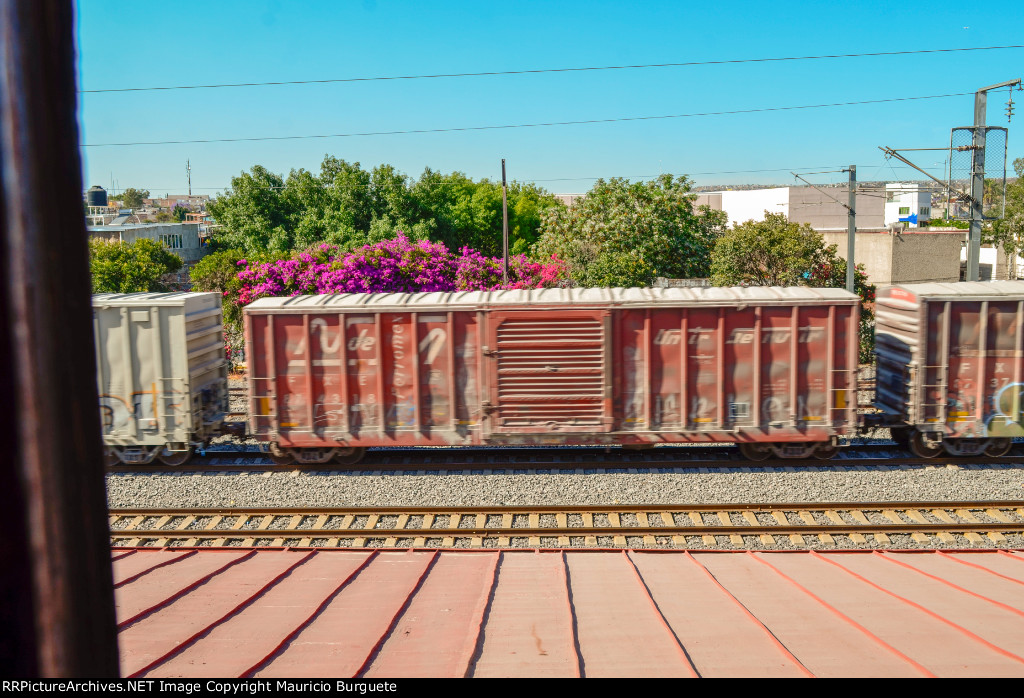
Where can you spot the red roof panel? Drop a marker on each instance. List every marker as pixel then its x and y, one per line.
pixel 348 613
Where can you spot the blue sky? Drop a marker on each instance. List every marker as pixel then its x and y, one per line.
pixel 145 44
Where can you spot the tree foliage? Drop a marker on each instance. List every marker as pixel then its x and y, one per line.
pixel 775 252
pixel 1008 231
pixel 772 252
pixel 121 267
pixel 218 271
pixel 831 273
pixel 132 198
pixel 347 206
pixel 628 234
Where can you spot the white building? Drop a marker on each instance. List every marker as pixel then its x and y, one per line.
pixel 907 203
pixel 569 199
pixel 822 209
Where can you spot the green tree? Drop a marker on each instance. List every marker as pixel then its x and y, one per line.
pixel 218 271
pixel 253 215
pixel 830 272
pixel 121 267
pixel 179 212
pixel 1008 231
pixel 772 252
pixel 623 234
pixel 775 252
pixel 350 207
pixel 132 198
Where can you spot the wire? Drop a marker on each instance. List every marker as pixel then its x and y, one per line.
pixel 681 174
pixel 510 126
pixel 547 70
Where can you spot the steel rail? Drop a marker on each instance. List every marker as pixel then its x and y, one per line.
pixel 574 508
pixel 359 525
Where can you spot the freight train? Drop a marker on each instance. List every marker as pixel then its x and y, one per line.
pixel 773 370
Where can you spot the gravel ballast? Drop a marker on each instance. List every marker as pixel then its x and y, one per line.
pixel 782 485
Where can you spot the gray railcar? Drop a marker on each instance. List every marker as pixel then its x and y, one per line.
pixel 162 373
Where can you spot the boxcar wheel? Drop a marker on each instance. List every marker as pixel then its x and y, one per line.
pixel 901 435
pixel 174 458
pixel 998 447
pixel 284 458
pixel 110 457
pixel 922 448
pixel 755 451
pixel 825 452
pixel 349 456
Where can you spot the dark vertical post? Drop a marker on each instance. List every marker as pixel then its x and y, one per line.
pixel 504 225
pixel 851 228
pixel 58 610
pixel 978 176
pixel 977 185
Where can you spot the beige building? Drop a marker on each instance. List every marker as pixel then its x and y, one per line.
pixel 917 255
pixel 817 208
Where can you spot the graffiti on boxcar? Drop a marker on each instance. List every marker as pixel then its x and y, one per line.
pixel 774 408
pixel 666 409
pixel 293 408
pixel 364 415
pixel 116 413
pixel 328 410
pixel 701 410
pixel 1007 418
pixel 466 386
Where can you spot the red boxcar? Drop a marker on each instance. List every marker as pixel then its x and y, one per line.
pixel 773 369
pixel 951 365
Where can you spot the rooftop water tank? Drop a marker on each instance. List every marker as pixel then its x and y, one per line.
pixel 96 196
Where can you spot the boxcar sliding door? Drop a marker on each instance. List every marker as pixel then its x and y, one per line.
pixel 548 371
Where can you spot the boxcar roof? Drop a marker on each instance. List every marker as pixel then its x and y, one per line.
pixel 636 297
pixel 176 298
pixel 963 289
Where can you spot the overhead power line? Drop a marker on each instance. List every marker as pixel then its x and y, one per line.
pixel 533 125
pixel 548 70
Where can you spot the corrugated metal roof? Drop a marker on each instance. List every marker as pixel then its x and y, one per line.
pixel 395 613
pixel 625 297
pixel 177 298
pixel 963 289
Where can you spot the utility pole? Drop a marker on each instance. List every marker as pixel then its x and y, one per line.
pixel 851 228
pixel 188 169
pixel 504 226
pixel 851 217
pixel 978 176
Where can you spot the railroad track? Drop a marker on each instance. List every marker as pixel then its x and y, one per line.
pixel 476 459
pixel 728 526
